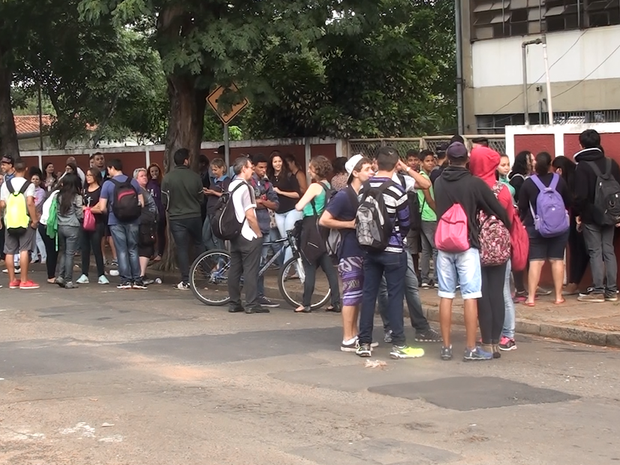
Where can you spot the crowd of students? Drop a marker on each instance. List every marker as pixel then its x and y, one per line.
pixel 447 220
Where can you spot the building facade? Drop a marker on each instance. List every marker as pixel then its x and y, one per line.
pixel 583 46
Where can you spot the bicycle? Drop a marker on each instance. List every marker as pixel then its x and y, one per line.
pixel 208 276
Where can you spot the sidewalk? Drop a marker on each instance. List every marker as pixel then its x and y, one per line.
pixel 595 324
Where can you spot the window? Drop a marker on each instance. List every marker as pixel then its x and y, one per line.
pixel 509 18
pixel 496 124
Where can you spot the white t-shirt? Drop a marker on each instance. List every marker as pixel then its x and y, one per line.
pixel 409 182
pixel 243 200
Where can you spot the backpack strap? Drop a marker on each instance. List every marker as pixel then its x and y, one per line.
pixel 597 171
pixel 538 183
pixel 24 188
pixel 9 186
pixel 554 181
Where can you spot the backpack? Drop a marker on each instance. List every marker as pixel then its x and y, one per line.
pixel 225 224
pixel 16 217
pixel 126 206
pixel 551 219
pixel 606 208
pixel 494 237
pixel 452 234
pixel 335 237
pixel 373 227
pixel 415 209
pixel 520 242
pixel 313 235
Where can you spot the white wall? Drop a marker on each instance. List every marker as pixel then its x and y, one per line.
pixel 498 62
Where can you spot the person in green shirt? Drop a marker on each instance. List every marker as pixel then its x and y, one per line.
pixel 429 222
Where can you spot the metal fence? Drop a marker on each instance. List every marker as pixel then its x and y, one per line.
pixel 369 147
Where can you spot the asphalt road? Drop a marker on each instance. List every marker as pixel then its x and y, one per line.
pixel 101 376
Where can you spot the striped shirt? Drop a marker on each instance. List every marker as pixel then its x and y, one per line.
pixel 397 207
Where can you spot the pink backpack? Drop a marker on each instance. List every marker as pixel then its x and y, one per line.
pixel 452 233
pixel 494 237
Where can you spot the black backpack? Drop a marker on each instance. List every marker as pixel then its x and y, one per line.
pixel 126 206
pixel 373 227
pixel 606 208
pixel 415 215
pixel 225 224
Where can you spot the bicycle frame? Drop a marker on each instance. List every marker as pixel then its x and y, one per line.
pixel 290 238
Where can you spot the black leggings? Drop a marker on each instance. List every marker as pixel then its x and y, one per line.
pixel 325 262
pixel 52 253
pixel 161 235
pixel 579 257
pixel 491 307
pixel 91 240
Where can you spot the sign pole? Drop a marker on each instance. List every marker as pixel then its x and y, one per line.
pixel 226 145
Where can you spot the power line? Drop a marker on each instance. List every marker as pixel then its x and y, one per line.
pixel 543 74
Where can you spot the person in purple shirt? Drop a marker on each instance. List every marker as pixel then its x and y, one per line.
pixel 125 235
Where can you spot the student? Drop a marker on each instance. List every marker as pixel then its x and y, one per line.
pixel 598 228
pixel 124 232
pixel 441 163
pixel 543 248
pixel 340 214
pixel 296 171
pixel 429 222
pixel 70 215
pixel 579 260
pixel 340 177
pixel 245 250
pixel 495 279
pixel 18 244
pixel 392 261
pixel 458 186
pixel 502 173
pixel 39 253
pixel 153 186
pixel 219 185
pixel 413 238
pixel 312 205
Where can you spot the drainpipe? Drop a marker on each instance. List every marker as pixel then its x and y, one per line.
pixel 459 67
pixel 524 46
pixel 546 58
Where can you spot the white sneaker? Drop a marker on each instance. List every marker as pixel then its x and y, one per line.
pixel 83 279
pixel 182 286
pixel 114 272
pixel 103 280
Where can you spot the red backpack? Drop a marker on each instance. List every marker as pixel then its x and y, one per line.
pixel 520 244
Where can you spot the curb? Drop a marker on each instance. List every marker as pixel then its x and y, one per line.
pixel 550 330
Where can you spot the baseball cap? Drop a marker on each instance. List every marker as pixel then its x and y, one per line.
pixel 457 150
pixel 7 159
pixel 480 140
pixel 351 164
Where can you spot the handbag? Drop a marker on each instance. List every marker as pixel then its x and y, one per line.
pixel 89 220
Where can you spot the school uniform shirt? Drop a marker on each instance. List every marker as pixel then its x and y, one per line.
pixel 428 214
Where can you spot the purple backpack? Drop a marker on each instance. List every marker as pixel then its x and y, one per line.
pixel 551 218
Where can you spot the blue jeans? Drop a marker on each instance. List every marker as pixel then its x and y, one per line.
pixel 394 266
pixel 68 244
pixel 211 242
pixel 272 235
pixel 286 222
pixel 412 296
pixel 125 237
pixel 459 268
pixel 509 319
pixel 186 232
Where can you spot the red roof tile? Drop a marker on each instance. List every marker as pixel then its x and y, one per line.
pixel 29 124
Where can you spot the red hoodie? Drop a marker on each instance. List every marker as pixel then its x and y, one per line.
pixel 483 163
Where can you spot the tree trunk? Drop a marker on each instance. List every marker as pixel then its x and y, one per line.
pixel 187 110
pixel 8 134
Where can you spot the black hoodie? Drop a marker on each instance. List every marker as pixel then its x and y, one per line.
pixel 457 183
pixel 585 180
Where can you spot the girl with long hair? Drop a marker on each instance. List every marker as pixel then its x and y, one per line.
pixel 70 216
pixel 312 205
pixel 91 240
pixel 155 175
pixel 297 171
pixel 50 178
pixel 285 184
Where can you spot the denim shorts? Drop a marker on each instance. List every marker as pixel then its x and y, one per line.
pixel 459 269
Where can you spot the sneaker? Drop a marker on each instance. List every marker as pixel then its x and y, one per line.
pixel 399 352
pixel 15 284
pixel 364 350
pixel 265 302
pixel 103 280
pixel 387 338
pixel 239 309
pixel 83 280
pixel 477 354
pixel 182 286
pixel 352 347
pixel 60 281
pixel 611 296
pixel 148 282
pixel 258 309
pixel 425 285
pixel 541 291
pixel 139 284
pixel 430 335
pixel 124 286
pixel 520 296
pixel 436 285
pixel 29 285
pixel 17 270
pixel 595 298
pixel 507 344
pixel 114 263
pixel 70 285
pixel 446 353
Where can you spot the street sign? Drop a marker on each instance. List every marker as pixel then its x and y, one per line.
pixel 213 97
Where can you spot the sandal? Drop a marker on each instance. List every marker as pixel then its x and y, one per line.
pixel 157 258
pixel 559 302
pixel 529 304
pixel 302 309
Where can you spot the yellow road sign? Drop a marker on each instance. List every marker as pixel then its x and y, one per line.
pixel 213 97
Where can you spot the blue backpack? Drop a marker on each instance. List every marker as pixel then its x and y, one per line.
pixel 551 218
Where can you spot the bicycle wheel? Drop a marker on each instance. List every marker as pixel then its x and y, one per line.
pixel 208 277
pixel 291 284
